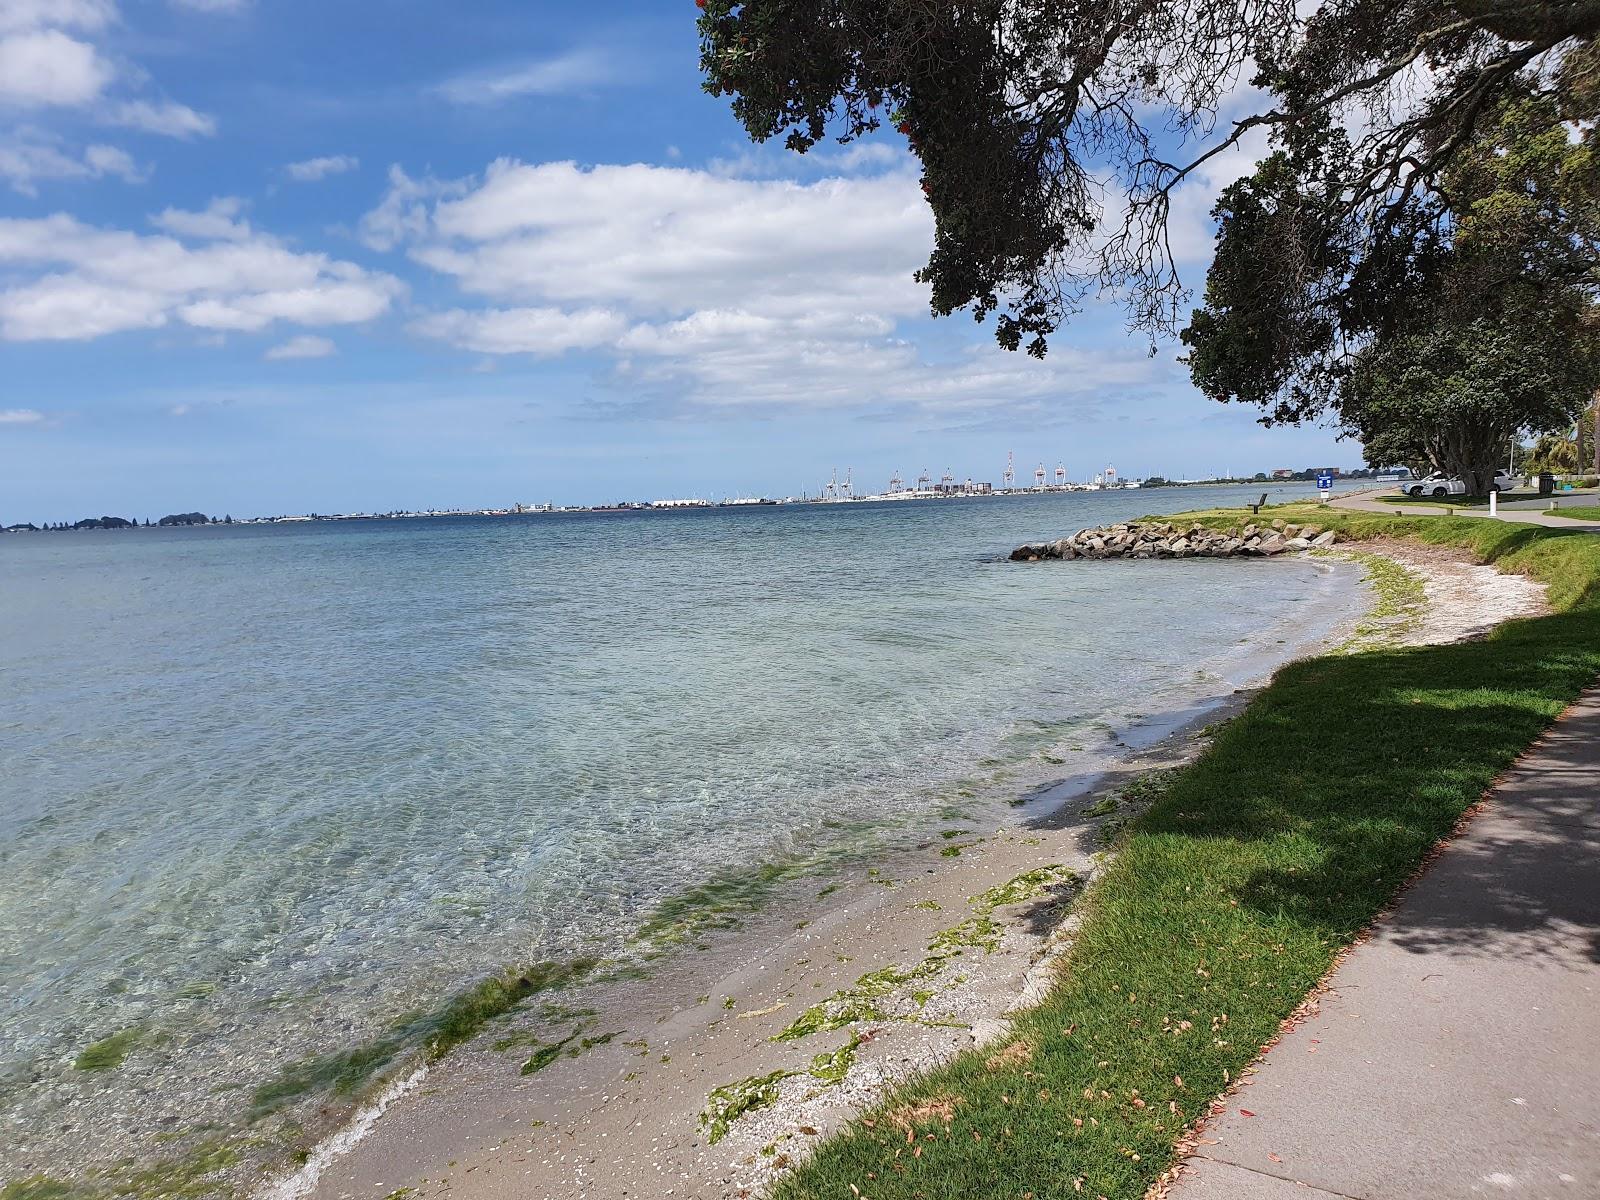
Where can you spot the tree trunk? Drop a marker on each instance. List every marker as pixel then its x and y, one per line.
pixel 1471 453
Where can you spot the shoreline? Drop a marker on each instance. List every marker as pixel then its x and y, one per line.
pixel 652 1052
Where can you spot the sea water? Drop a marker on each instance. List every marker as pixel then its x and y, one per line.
pixel 269 789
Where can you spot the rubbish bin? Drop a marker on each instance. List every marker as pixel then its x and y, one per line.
pixel 1547 483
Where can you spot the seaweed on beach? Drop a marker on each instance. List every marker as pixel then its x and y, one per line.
pixel 863 1000
pixel 461 1018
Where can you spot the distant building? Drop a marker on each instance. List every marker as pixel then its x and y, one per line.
pixel 1283 473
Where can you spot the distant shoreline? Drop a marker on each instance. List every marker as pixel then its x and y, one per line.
pixel 194 521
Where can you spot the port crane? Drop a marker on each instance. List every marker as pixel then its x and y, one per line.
pixel 1061 475
pixel 1038 477
pixel 1011 470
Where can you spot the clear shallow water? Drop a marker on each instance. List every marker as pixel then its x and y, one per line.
pixel 268 788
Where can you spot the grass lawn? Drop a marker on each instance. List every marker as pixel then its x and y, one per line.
pixel 1229 899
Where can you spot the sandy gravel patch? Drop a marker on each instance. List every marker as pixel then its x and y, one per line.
pixel 1465 600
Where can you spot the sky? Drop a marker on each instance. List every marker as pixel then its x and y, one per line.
pixel 280 257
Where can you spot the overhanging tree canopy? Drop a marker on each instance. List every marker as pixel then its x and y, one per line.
pixel 1044 126
pixel 1465 320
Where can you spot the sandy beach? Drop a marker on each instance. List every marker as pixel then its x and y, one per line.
pixel 726 1064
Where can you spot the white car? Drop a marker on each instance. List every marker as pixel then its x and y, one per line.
pixel 1440 484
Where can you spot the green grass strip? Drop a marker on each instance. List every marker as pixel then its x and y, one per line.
pixel 1230 897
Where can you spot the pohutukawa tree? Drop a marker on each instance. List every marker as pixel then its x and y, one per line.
pixel 1461 319
pixel 1053 133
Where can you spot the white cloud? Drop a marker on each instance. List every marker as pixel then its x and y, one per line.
pixel 218 222
pixel 305 346
pixel 723 292
pixel 42 64
pixel 540 331
pixel 163 117
pixel 29 157
pixel 71 281
pixel 573 71
pixel 45 67
pixel 21 416
pixel 313 169
pixel 404 212
pixel 109 160
pixel 212 6
pixel 87 15
pixel 669 240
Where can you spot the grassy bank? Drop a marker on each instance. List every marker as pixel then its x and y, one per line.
pixel 1230 898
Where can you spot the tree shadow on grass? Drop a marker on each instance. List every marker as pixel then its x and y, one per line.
pixel 1346 772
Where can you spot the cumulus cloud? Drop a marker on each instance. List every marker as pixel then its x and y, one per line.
pixel 163 117
pixel 49 60
pixel 70 281
pixel 305 346
pixel 312 169
pixel 722 290
pixel 219 221
pixel 29 157
pixel 538 331
pixel 572 71
pixel 87 15
pixel 48 68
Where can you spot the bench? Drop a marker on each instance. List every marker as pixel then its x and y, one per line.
pixel 1255 509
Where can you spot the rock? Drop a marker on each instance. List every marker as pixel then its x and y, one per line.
pixel 1160 539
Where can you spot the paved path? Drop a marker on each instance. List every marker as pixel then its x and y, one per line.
pixel 1457 1053
pixel 1363 502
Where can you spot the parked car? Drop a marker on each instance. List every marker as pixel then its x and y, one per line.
pixel 1440 484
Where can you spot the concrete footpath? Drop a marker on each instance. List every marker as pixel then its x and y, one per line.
pixel 1364 502
pixel 1456 1053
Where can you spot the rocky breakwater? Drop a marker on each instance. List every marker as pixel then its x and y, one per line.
pixel 1154 539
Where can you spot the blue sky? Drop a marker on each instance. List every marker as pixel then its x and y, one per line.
pixel 280 257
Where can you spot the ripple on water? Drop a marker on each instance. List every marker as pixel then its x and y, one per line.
pixel 277 795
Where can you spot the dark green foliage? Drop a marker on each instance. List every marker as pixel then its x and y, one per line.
pixel 1440 335
pixel 1036 119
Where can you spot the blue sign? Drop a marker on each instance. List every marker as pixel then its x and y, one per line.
pixel 1325 481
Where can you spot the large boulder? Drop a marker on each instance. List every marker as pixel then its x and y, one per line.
pixel 1323 540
